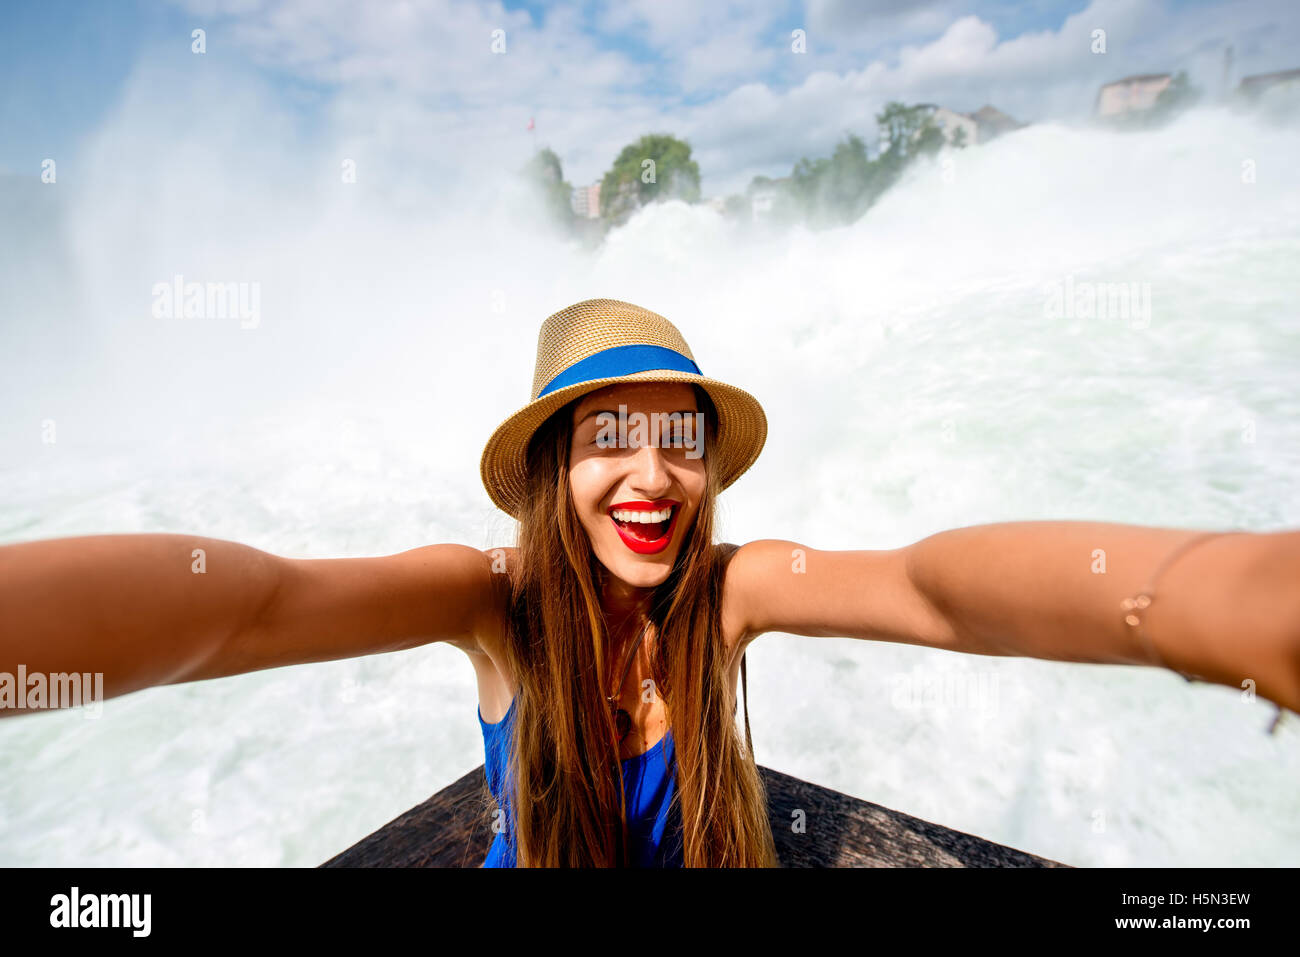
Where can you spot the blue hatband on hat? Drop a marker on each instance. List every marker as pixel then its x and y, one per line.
pixel 620 360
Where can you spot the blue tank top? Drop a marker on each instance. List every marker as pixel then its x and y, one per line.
pixel 649 785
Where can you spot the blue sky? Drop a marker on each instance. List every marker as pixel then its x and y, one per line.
pixel 595 75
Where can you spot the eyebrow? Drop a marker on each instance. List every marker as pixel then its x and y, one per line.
pixel 615 413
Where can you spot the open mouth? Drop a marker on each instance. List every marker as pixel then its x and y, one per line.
pixel 645 527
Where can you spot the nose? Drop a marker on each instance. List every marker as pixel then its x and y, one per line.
pixel 650 476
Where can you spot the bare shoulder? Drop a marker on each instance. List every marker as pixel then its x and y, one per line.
pixel 490 627
pixel 752 568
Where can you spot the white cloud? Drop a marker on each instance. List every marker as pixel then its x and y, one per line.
pixel 836 18
pixel 420 77
pixel 662 23
pixel 964 46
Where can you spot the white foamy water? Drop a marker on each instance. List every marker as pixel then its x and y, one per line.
pixel 914 381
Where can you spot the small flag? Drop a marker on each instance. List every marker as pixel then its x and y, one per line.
pixel 530 122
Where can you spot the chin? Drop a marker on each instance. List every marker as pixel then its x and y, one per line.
pixel 637 557
pixel 642 573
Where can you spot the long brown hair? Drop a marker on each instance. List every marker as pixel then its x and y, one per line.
pixel 564 773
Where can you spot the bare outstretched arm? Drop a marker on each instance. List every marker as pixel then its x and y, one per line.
pixel 1227 610
pixel 162 609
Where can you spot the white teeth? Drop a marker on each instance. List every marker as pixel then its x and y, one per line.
pixel 645 518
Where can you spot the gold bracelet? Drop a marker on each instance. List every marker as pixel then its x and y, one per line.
pixel 1133 608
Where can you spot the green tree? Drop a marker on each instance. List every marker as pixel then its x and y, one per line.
pixel 929 140
pixel 959 138
pixel 656 167
pixel 837 190
pixel 849 181
pixel 806 181
pixel 906 131
pixel 546 178
pixel 784 208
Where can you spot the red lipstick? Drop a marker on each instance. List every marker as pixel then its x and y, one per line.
pixel 637 542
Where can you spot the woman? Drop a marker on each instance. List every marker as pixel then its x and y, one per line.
pixel 608 642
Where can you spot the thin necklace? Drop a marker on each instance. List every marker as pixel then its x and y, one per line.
pixel 623 720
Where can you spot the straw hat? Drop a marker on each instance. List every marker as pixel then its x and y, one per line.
pixel 601 342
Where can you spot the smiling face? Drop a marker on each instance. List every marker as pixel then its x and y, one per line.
pixel 637 498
